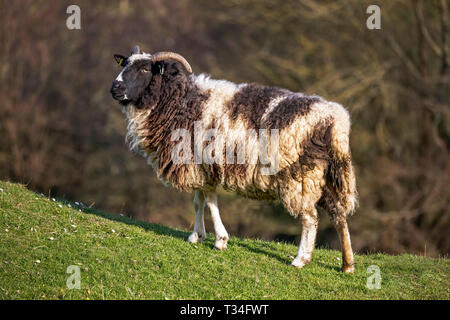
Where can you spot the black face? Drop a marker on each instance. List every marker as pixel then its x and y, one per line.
pixel 136 75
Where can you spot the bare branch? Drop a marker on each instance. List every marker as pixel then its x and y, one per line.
pixel 426 34
pixel 402 55
pixel 444 34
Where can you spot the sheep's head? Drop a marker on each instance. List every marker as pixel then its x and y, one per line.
pixel 137 74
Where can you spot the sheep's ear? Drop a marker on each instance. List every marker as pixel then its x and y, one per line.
pixel 120 59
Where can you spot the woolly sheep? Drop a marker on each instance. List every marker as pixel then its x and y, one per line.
pixel 313 161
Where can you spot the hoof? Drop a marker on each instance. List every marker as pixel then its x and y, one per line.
pixel 221 244
pixel 195 238
pixel 348 269
pixel 299 263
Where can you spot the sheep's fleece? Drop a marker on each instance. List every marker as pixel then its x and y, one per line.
pixel 314 165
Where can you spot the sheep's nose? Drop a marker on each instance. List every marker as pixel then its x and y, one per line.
pixel 117 89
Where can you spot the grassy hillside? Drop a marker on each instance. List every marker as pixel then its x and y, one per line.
pixel 121 258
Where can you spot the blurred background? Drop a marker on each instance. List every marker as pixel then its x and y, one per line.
pixel 62 134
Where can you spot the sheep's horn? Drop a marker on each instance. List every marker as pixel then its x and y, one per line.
pixel 136 50
pixel 159 56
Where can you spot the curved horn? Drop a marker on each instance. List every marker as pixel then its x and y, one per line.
pixel 159 56
pixel 136 50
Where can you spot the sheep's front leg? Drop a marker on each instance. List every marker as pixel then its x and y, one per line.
pixel 308 239
pixel 221 233
pixel 199 233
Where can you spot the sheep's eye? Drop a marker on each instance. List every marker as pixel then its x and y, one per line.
pixel 145 70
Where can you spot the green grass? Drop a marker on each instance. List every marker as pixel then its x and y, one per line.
pixel 122 258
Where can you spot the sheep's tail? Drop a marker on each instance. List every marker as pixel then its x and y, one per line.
pixel 340 196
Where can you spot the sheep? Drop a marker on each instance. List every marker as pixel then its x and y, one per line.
pixel 313 160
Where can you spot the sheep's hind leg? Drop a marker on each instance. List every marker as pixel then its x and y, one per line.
pixel 347 252
pixel 300 199
pixel 199 233
pixel 221 233
pixel 308 239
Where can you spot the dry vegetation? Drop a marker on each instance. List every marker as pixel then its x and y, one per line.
pixel 61 133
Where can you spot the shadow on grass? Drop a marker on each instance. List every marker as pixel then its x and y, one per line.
pixel 156 228
pixel 261 249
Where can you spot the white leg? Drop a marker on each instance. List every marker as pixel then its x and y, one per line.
pixel 308 239
pixel 221 233
pixel 199 233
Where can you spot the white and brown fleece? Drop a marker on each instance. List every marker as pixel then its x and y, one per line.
pixel 314 160
pixel 314 157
